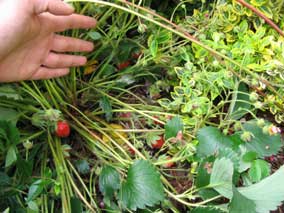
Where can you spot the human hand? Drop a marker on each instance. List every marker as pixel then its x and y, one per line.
pixel 29 47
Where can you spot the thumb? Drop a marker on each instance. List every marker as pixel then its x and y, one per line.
pixel 55 7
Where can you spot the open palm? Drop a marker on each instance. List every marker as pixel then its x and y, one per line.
pixel 30 49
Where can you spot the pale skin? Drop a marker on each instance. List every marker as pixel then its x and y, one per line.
pixel 30 49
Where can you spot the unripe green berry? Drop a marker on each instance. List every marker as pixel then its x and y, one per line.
pixel 246 136
pixel 260 123
pixel 253 97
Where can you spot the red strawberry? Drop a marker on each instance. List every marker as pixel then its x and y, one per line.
pixel 62 129
pixel 123 65
pixel 158 143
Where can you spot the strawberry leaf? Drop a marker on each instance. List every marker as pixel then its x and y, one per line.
pixel 240 203
pixel 211 140
pixel 222 177
pixel 142 187
pixel 261 143
pixel 109 181
pixel 106 107
pixel 268 193
pixel 172 127
pixel 259 170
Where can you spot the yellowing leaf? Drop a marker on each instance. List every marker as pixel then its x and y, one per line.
pixel 113 133
pixel 91 67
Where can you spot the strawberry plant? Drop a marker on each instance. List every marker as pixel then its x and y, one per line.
pixel 179 109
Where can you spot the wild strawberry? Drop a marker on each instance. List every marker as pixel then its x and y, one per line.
pixel 158 143
pixel 62 129
pixel 131 151
pixel 123 65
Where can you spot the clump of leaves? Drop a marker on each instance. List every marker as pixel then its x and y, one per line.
pixel 141 188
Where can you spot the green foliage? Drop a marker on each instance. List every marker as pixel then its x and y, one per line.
pixel 222 177
pixel 211 141
pixel 261 143
pixel 142 187
pixel 82 166
pixel 268 193
pixel 259 169
pixel 109 182
pixel 240 203
pixel 172 127
pixel 7 114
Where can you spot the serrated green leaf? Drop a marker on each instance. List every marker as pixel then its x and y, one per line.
pixel 211 140
pixel 109 181
pixel 203 178
pixel 82 166
pixel 241 204
pixel 259 170
pixel 106 107
pixel 222 177
pixel 268 193
pixel 172 127
pixel 11 156
pixel 9 115
pixel 9 133
pixel 263 144
pixel 35 190
pixel 249 156
pixel 142 187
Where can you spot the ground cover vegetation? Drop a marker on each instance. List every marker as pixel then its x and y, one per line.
pixel 179 109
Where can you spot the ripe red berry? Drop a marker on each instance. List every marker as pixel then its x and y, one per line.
pixel 123 65
pixel 62 129
pixel 158 143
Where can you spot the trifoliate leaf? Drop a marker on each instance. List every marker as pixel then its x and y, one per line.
pixel 222 177
pixel 109 181
pixel 259 170
pixel 268 193
pixel 241 204
pixel 211 140
pixel 172 127
pixel 142 187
